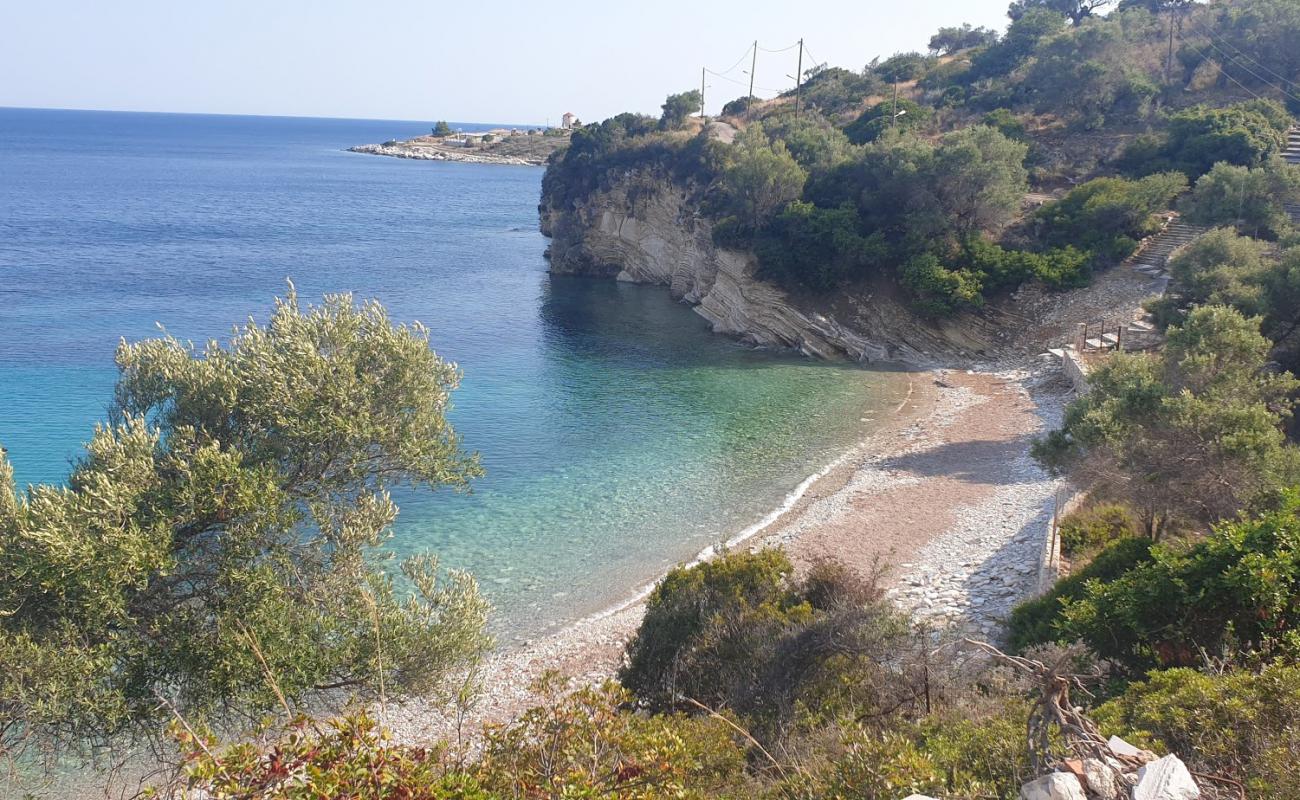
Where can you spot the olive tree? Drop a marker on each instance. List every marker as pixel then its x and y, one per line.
pixel 213 552
pixel 678 107
pixel 762 179
pixel 1191 435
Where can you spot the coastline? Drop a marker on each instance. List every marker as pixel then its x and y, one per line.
pixel 945 492
pixel 510 148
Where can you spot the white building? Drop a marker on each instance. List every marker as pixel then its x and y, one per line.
pixel 566 122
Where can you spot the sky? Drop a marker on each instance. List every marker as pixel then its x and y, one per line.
pixel 500 61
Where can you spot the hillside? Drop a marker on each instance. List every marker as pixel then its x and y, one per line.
pixel 983 223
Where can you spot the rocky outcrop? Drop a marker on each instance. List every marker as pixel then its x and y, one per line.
pixel 647 229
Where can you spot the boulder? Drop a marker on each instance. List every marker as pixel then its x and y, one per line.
pixel 1100 779
pixel 1056 786
pixel 1122 748
pixel 1166 779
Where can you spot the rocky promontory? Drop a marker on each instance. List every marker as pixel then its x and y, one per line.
pixel 502 146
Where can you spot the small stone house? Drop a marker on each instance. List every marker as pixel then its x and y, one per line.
pixel 566 122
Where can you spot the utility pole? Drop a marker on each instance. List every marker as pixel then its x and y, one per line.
pixel 702 71
pixel 753 63
pixel 893 121
pixel 1169 59
pixel 798 81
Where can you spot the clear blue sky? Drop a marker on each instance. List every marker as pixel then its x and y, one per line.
pixel 477 61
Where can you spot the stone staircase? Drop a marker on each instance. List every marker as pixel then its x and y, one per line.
pixel 1140 332
pixel 1292 156
pixel 1152 259
pixel 1292 151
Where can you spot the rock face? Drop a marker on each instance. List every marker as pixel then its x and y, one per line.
pixel 646 229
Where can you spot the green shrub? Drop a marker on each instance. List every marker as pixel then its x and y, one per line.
pixel 1037 621
pixel 1095 527
pixel 682 644
pixel 1006 122
pixel 1240 586
pixel 1254 200
pixel 1242 724
pixel 820 248
pixel 579 744
pixel 936 289
pixel 873 123
pixel 1107 216
pixel 1245 134
pixel 737 633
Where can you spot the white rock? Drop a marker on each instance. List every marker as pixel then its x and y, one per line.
pixel 1056 786
pixel 1166 779
pixel 1122 748
pixel 1101 779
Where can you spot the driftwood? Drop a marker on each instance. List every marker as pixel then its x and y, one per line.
pixel 1078 736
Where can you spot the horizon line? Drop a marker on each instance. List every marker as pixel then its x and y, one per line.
pixel 267 116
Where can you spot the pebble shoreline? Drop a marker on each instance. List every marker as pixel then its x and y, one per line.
pixel 964 572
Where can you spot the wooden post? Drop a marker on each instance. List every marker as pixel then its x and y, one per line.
pixel 753 64
pixel 798 81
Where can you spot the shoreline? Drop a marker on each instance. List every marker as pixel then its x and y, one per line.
pixel 944 491
pixel 507 147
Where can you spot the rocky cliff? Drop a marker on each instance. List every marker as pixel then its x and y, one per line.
pixel 645 228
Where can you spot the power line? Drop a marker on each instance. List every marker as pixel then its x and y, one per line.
pixel 739 61
pixel 1205 54
pixel 742 83
pixel 1250 72
pixel 782 50
pixel 1243 54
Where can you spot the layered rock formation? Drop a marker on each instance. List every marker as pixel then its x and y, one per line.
pixel 646 229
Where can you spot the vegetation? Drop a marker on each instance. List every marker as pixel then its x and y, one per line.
pixel 1191 435
pixel 223 527
pixel 1108 216
pixel 678 107
pixel 951 40
pixel 1244 134
pixel 1240 722
pixel 1090 530
pixel 1256 278
pixel 762 179
pixel 1235 590
pixel 1252 200
pixel 441 128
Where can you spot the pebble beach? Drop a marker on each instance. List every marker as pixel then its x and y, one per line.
pixel 944 495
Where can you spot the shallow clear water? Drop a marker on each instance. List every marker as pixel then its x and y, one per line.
pixel 619 435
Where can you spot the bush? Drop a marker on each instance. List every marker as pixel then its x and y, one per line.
pixel 681 646
pixel 1254 200
pixel 1239 587
pixel 836 91
pixel 818 248
pixel 576 744
pixel 737 633
pixel 1241 724
pixel 1095 527
pixel 1037 621
pixel 1245 134
pixel 1107 216
pixel 872 123
pixel 939 290
pixel 1001 268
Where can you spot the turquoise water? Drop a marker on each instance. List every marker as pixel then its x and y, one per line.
pixel 619 435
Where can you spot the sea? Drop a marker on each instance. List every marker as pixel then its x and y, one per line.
pixel 619 435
